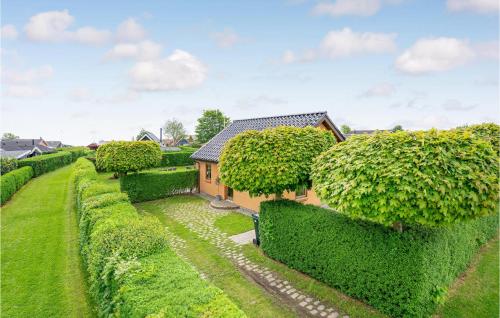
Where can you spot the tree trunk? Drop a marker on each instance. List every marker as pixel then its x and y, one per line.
pixel 398 226
pixel 278 196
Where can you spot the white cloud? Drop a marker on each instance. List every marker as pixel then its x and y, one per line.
pixel 80 94
pixel 180 70
pixel 434 55
pixel 345 43
pixel 52 26
pixel 348 7
pixel 478 6
pixel 9 32
pixel 456 105
pixel 226 38
pixel 28 76
pixel 145 50
pixel 381 89
pixel 28 91
pixel 130 31
pixel 488 50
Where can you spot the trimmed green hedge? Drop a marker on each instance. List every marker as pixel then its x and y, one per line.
pixel 176 158
pixel 7 165
pixel 13 181
pixel 152 185
pixel 131 270
pixel 50 162
pixel 401 274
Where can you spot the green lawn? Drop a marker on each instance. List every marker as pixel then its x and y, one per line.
pixel 234 223
pixel 41 269
pixel 476 293
pixel 254 301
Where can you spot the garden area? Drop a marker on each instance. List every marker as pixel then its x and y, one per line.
pixel 408 228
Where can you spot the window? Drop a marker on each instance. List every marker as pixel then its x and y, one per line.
pixel 301 191
pixel 208 171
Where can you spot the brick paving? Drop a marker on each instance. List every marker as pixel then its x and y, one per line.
pixel 200 218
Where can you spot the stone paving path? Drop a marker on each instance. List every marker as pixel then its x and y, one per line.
pixel 200 218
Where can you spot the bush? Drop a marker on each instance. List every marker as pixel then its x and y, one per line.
pixel 132 272
pixel 488 131
pixel 128 156
pixel 152 185
pixel 76 152
pixel 431 178
pixel 7 165
pixel 49 162
pixel 401 274
pixel 13 181
pixel 272 161
pixel 176 158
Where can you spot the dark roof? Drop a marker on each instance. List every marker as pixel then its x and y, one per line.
pixel 212 149
pixel 150 136
pixel 54 144
pixel 24 144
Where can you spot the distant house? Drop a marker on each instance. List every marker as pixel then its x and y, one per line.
pixel 24 148
pixel 93 146
pixel 149 136
pixel 55 144
pixel 363 132
pixel 207 157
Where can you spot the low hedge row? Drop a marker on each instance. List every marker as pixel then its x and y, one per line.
pixel 50 162
pixel 131 270
pixel 402 274
pixel 13 181
pixel 176 158
pixel 152 185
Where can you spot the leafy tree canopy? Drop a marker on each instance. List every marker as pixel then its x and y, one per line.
pixel 397 128
pixel 273 160
pixel 141 133
pixel 345 129
pixel 210 124
pixel 128 156
pixel 9 136
pixel 431 178
pixel 174 130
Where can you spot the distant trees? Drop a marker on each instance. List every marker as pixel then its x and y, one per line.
pixel 9 136
pixel 174 130
pixel 141 133
pixel 345 129
pixel 397 128
pixel 210 124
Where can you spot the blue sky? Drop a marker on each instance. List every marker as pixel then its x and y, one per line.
pixel 82 71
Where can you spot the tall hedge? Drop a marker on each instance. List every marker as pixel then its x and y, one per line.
pixel 7 165
pixel 488 131
pixel 401 274
pixel 176 158
pixel 131 270
pixel 153 185
pixel 46 163
pixel 13 181
pixel 431 178
pixel 273 160
pixel 128 156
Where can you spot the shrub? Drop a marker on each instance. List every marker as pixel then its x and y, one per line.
pixel 13 181
pixel 152 185
pixel 47 163
pixel 7 165
pixel 128 156
pixel 273 160
pixel 401 274
pixel 488 131
pixel 132 272
pixel 76 152
pixel 176 158
pixel 431 178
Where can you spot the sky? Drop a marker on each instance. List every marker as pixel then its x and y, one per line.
pixel 84 71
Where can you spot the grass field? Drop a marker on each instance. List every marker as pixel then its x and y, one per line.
pixel 234 223
pixel 41 269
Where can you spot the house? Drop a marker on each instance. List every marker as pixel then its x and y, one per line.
pixel 207 157
pixel 24 148
pixel 55 144
pixel 149 136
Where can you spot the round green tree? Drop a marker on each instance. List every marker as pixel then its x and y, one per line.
pixel 128 156
pixel 273 160
pixel 431 178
